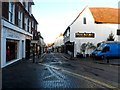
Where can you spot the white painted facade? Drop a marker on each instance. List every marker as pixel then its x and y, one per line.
pixel 12 32
pixel 58 44
pixel 59 41
pixel 101 31
pixel 9 31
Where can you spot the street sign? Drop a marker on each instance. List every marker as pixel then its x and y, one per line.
pixel 90 35
pixel 34 41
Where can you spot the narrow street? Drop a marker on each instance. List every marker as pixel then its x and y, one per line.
pixel 59 44
pixel 56 71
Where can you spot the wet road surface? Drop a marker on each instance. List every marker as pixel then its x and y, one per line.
pixel 54 72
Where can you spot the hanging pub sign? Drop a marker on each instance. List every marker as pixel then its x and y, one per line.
pixel 82 35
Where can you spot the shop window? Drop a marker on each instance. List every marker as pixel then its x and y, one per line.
pixel 11 50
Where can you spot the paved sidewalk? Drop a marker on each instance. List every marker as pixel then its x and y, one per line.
pixel 111 61
pixel 23 74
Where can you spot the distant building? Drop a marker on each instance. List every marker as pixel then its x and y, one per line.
pixel 58 44
pixel 16 31
pixel 50 47
pixel 41 44
pixel 37 42
pixel 92 25
pixel 35 39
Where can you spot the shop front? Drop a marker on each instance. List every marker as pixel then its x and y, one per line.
pixel 69 48
pixel 12 46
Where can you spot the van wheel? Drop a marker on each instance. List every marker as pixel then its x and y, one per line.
pixel 102 57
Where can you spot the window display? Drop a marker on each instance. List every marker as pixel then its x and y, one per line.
pixel 11 49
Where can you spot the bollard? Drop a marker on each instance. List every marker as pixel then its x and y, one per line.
pixel 107 59
pixel 33 57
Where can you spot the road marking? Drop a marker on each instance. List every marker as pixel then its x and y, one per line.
pixel 49 66
pixel 90 79
pixel 65 57
pixel 85 77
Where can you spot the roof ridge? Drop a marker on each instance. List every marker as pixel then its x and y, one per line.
pixel 104 7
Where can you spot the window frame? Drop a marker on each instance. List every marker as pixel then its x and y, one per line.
pixel 11 10
pixel 84 20
pixel 20 19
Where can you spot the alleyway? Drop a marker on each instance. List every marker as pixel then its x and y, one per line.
pixel 56 71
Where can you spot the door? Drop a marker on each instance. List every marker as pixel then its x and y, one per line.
pixel 22 49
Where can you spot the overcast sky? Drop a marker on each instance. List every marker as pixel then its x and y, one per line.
pixel 54 16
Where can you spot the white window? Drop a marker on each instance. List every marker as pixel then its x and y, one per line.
pixel 19 19
pixel 21 1
pixel 25 24
pixel 35 26
pixel 29 26
pixel 32 24
pixel 11 12
pixel 24 3
pixel 68 33
pixel 30 8
pixel 26 7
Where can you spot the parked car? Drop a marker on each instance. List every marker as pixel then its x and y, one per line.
pixel 107 49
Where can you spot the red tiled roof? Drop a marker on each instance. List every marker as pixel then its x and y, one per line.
pixel 106 15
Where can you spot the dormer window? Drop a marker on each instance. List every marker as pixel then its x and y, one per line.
pixel 84 20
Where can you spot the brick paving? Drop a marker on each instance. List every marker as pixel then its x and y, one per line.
pixel 26 74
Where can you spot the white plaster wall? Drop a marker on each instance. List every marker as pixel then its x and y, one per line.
pixel 17 34
pixel 101 31
pixel 59 41
pixel 7 24
pixel 21 49
pixel 4 36
pixel 3 45
pixel 119 38
pixel 3 51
